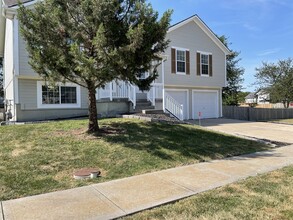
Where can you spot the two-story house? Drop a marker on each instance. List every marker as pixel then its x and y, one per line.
pixel 191 77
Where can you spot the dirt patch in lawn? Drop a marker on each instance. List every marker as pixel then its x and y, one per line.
pixel 81 133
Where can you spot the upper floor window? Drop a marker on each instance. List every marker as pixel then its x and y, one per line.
pixel 204 64
pixel 180 61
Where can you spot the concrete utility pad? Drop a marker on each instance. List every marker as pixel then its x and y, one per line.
pixel 141 192
pixel 79 203
pixel 259 130
pixel 193 178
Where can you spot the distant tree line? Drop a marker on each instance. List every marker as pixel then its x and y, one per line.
pixel 277 80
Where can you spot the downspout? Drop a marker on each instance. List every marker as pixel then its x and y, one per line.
pixel 2 29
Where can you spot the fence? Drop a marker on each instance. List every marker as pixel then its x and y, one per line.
pixel 256 114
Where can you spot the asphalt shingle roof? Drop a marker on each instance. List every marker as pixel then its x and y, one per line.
pixel 250 95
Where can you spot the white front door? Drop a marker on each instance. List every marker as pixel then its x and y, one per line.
pixel 205 103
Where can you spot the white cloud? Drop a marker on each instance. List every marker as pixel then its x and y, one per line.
pixel 269 52
pixel 251 27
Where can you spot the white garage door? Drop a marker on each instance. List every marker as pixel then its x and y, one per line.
pixel 181 97
pixel 205 102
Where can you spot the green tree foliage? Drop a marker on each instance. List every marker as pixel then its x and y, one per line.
pixel 241 96
pixel 93 42
pixel 277 80
pixel 1 78
pixel 234 77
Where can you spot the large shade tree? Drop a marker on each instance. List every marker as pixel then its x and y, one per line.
pixel 231 93
pixel 276 79
pixel 93 42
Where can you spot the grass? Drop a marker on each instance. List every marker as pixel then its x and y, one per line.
pixel 40 158
pixel 268 196
pixel 285 121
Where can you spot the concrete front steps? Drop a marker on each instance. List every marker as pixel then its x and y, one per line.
pixel 153 111
pixel 143 104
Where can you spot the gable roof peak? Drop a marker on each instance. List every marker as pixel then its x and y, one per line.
pixel 195 18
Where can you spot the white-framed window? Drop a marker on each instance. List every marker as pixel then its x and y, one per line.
pixel 204 64
pixel 181 61
pixel 58 96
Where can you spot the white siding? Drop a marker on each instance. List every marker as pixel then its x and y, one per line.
pixel 24 67
pixel 27 94
pixel 192 37
pixel 84 97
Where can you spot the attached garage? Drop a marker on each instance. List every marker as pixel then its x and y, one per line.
pixel 205 103
pixel 181 96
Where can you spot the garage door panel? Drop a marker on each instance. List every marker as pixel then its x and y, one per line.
pixel 205 102
pixel 181 98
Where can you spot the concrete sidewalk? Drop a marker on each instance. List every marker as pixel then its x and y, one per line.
pixel 125 196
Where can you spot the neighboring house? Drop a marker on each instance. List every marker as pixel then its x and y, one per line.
pixel 251 98
pixel 190 80
pixel 259 98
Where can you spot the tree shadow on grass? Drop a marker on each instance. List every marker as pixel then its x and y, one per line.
pixel 170 142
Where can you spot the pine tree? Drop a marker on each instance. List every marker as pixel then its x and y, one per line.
pixel 234 77
pixel 93 42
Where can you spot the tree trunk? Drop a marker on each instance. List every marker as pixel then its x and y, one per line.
pixel 93 118
pixel 286 104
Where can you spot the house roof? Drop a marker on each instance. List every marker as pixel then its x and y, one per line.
pixel 250 95
pixel 195 18
pixel 11 3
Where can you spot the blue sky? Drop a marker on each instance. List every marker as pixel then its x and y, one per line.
pixel 262 30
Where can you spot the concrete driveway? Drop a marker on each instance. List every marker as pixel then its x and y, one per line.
pixel 259 130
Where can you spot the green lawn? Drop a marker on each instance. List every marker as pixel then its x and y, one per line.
pixel 41 158
pixel 268 196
